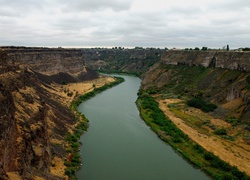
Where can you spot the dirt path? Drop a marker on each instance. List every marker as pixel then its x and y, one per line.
pixel 233 152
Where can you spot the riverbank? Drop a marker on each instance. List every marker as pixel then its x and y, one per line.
pixel 65 95
pixel 73 162
pixel 235 152
pixel 182 142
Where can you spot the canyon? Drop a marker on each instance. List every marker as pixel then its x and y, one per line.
pixel 38 84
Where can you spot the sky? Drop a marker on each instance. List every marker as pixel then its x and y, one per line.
pixel 125 23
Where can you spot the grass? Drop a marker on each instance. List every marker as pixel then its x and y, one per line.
pixel 193 152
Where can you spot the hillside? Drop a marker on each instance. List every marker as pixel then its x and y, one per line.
pixel 222 86
pixel 35 115
pixel 134 61
pixel 38 84
pixel 217 79
pixel 208 103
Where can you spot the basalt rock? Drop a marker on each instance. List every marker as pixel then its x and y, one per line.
pixel 221 59
pixel 30 114
pixel 55 62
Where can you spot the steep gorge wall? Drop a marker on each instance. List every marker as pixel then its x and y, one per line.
pixel 47 60
pixel 33 117
pixel 221 59
pixel 28 125
pixel 135 60
pixel 218 85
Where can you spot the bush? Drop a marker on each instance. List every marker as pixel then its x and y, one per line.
pixel 233 120
pixel 221 131
pixel 201 104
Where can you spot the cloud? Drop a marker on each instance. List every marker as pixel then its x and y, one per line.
pixel 161 23
pixel 97 5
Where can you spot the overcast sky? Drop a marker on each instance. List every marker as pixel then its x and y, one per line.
pixel 125 23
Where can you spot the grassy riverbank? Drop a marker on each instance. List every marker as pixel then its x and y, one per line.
pixel 73 161
pixel 193 152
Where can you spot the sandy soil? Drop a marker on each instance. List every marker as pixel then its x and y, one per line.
pixel 13 175
pixel 58 167
pixel 234 152
pixel 78 88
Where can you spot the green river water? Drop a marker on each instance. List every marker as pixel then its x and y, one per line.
pixel 120 146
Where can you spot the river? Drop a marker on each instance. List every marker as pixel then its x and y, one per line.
pixel 120 146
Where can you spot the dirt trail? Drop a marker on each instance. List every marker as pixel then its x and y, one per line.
pixel 234 152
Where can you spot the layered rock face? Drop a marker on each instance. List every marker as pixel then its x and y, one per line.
pixel 33 118
pixel 221 59
pixel 24 136
pixel 47 61
pixel 218 76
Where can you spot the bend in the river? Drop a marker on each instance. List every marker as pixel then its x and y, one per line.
pixel 119 145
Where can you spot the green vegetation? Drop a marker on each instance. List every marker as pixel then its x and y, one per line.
pixel 193 152
pixel 220 131
pixel 74 160
pixel 204 48
pixel 201 104
pixel 245 49
pixel 233 120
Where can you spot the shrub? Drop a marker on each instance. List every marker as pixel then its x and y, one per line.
pixel 201 104
pixel 221 131
pixel 233 120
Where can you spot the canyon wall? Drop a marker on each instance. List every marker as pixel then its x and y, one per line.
pixel 34 118
pixel 47 60
pixel 221 59
pixel 134 61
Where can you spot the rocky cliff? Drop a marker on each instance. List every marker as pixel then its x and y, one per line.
pixel 220 59
pixel 219 85
pixel 136 60
pixel 33 116
pixel 51 61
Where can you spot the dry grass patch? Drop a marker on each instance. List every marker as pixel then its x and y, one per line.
pixel 236 153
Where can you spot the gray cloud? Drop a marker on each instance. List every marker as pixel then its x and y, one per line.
pixel 96 5
pixel 161 23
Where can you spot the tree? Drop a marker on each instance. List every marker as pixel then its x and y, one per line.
pixel 227 47
pixel 204 48
pixel 196 48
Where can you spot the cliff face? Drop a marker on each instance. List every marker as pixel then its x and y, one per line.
pixel 33 117
pixel 219 77
pixel 221 59
pixel 50 61
pixel 123 60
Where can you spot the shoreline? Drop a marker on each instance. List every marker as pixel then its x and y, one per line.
pixel 227 149
pixel 66 94
pixel 167 131
pixel 74 161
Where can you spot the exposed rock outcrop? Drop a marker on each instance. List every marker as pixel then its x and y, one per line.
pixel 221 59
pixel 25 145
pixel 59 63
pixel 218 85
pixel 33 119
